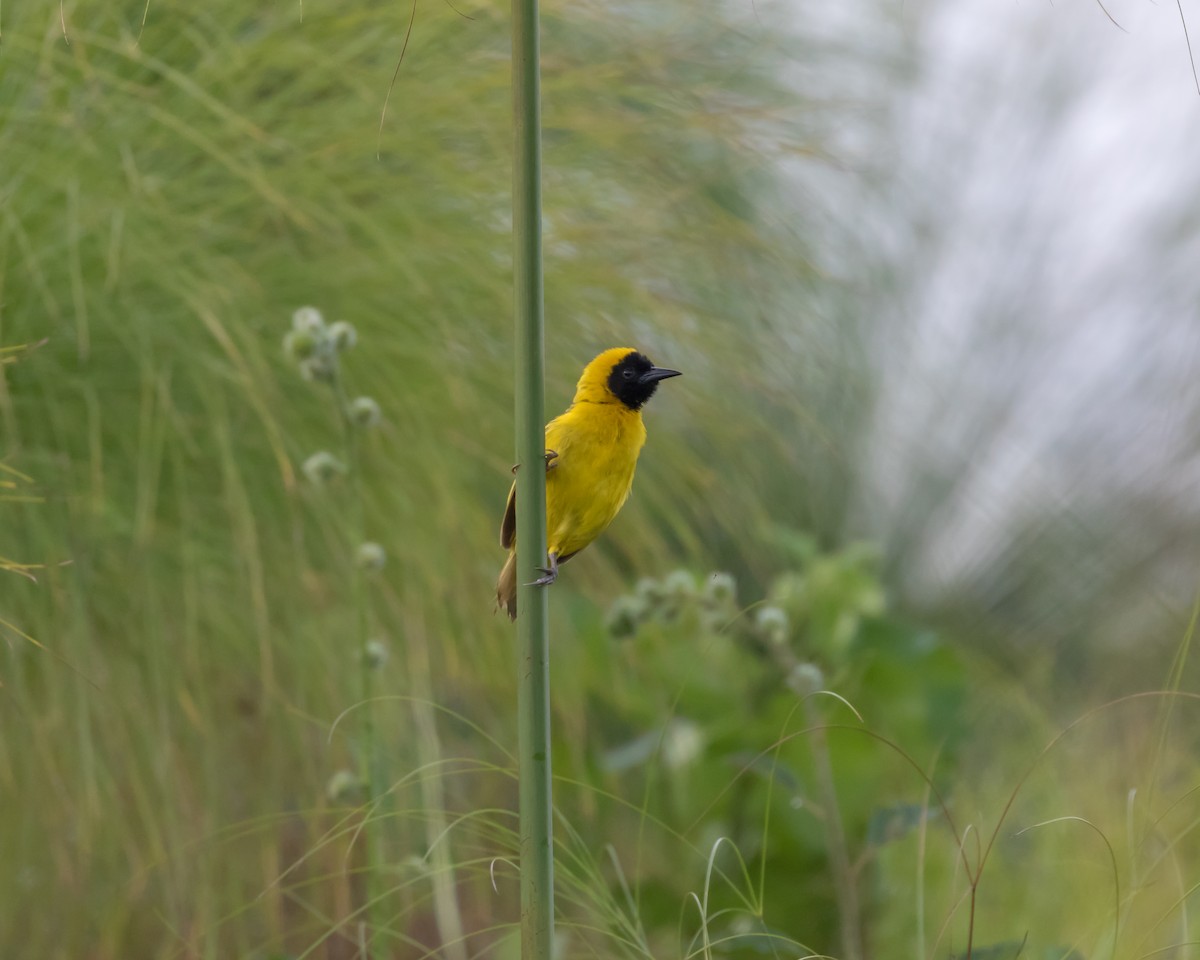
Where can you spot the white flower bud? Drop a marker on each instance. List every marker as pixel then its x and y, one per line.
pixel 365 412
pixel 309 319
pixel 323 467
pixel 806 679
pixel 342 786
pixel 375 653
pixel 370 557
pixel 343 335
pixel 772 624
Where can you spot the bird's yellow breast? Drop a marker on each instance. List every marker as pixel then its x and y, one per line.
pixel 597 446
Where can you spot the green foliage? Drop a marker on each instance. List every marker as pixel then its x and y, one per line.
pixel 183 684
pixel 169 192
pixel 739 680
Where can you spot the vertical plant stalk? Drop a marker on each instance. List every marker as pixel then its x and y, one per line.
pixel 845 883
pixel 451 936
pixel 844 880
pixel 369 755
pixel 537 846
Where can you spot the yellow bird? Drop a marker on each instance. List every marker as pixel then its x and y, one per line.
pixel 591 453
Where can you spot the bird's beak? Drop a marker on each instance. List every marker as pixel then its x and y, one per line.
pixel 654 374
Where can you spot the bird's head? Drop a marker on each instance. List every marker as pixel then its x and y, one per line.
pixel 621 375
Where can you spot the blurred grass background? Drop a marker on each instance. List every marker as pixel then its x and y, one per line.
pixel 170 193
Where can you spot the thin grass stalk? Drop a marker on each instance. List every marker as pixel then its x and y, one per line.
pixel 369 772
pixel 845 883
pixel 537 847
pixel 433 799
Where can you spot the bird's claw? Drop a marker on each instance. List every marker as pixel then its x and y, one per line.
pixel 550 456
pixel 548 574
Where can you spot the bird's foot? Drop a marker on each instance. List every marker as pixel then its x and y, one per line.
pixel 548 574
pixel 550 456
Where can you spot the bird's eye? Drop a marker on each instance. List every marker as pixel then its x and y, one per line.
pixel 627 374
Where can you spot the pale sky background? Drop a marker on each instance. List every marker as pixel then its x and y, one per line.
pixel 1039 350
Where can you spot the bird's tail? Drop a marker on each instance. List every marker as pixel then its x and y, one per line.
pixel 506 587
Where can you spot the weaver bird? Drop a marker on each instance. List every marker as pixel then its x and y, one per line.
pixel 591 452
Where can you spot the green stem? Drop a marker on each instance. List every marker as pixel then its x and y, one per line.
pixel 433 798
pixel 537 845
pixel 844 882
pixel 369 755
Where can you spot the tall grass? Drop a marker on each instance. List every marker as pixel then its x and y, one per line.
pixel 169 195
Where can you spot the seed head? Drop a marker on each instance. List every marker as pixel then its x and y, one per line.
pixel 365 412
pixel 300 345
pixel 370 557
pixel 343 335
pixel 772 624
pixel 375 654
pixel 320 367
pixel 721 589
pixel 682 743
pixel 323 467
pixel 625 616
pixel 342 786
pixel 649 591
pixel 680 584
pixel 679 592
pixel 308 318
pixel 805 679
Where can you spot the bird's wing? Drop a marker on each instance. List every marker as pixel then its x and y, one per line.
pixel 508 526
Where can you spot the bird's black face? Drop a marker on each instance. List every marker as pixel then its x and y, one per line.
pixel 634 379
